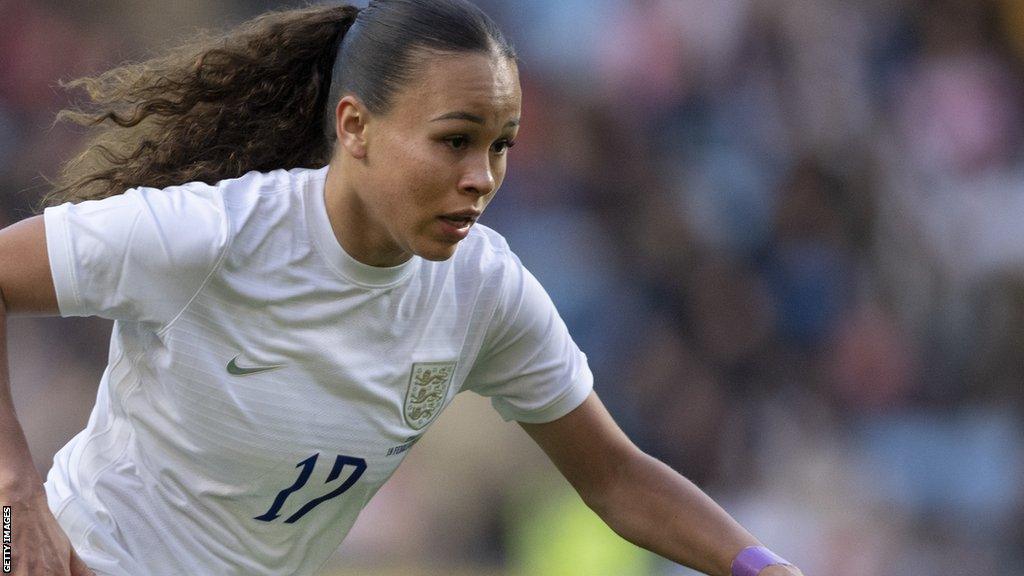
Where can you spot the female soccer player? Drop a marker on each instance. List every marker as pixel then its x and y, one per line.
pixel 287 243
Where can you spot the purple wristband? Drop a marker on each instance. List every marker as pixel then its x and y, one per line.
pixel 751 560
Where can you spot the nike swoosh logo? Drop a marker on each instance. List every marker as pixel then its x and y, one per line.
pixel 236 370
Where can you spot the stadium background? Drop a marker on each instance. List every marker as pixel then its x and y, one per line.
pixel 789 234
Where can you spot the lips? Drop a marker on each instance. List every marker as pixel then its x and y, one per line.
pixel 461 219
pixel 459 222
pixel 455 225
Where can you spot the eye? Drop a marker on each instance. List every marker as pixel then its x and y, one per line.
pixel 502 146
pixel 457 142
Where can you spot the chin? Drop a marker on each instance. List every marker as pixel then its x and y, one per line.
pixel 437 252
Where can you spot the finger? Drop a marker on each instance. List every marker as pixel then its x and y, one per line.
pixel 78 567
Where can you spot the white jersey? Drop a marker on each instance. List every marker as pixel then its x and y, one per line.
pixel 262 384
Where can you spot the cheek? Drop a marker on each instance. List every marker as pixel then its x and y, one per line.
pixel 416 205
pixel 430 177
pixel 499 172
pixel 411 179
pixel 500 169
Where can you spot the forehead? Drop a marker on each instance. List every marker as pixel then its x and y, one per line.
pixel 482 84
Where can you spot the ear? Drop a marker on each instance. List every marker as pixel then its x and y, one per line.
pixel 350 120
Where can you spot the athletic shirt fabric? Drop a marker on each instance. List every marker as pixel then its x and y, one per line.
pixel 338 367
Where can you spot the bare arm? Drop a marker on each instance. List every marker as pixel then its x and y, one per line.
pixel 25 280
pixel 39 546
pixel 26 286
pixel 639 497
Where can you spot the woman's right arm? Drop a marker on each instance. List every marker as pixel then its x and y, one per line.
pixel 39 546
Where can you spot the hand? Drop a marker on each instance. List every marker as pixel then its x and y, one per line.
pixel 39 547
pixel 778 570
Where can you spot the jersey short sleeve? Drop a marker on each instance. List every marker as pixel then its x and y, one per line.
pixel 139 256
pixel 529 366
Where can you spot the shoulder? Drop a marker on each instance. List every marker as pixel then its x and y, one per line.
pixel 268 183
pixel 257 202
pixel 487 255
pixel 486 245
pixel 194 222
pixel 484 252
pixel 182 223
pixel 263 189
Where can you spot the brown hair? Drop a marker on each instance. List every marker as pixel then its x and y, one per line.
pixel 260 97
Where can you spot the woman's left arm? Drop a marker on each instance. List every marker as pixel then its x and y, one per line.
pixel 641 498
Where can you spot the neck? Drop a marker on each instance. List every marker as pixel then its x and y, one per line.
pixel 358 231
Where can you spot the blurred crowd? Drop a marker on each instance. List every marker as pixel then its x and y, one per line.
pixel 789 235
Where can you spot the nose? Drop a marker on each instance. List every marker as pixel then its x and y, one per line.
pixel 479 179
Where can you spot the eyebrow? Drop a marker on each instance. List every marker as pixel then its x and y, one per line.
pixel 471 118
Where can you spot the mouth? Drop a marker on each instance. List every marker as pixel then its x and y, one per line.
pixel 456 225
pixel 462 219
pixel 458 222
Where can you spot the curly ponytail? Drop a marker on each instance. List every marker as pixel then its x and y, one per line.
pixel 260 97
pixel 216 108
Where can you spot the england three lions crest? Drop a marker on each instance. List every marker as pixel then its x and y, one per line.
pixel 428 387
